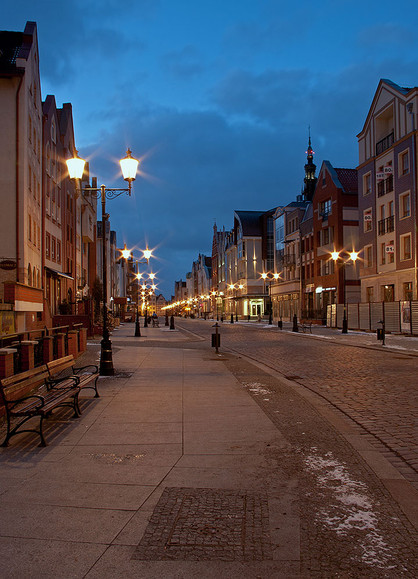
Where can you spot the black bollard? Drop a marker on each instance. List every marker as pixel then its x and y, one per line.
pixel 172 323
pixel 295 324
pixel 270 319
pixel 232 318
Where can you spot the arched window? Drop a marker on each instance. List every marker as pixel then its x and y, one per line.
pixel 34 277
pixel 29 275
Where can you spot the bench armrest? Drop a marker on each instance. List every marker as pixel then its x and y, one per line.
pixel 13 403
pixel 55 382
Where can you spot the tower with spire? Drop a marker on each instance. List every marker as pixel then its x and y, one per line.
pixel 310 168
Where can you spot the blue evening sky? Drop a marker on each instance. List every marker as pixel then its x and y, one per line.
pixel 216 97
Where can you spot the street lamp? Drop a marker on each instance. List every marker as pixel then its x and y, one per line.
pixel 269 276
pixel 129 167
pixel 352 256
pixel 147 254
pixel 232 287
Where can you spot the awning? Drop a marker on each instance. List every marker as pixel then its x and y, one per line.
pixel 60 273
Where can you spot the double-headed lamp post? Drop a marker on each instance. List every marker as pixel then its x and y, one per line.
pixel 232 287
pixel 129 167
pixel 338 258
pixel 147 254
pixel 269 276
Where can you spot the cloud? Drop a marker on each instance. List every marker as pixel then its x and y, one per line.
pixel 183 63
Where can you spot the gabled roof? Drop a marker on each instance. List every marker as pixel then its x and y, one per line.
pixel 345 179
pixel 401 89
pixel 250 222
pixel 391 87
pixel 348 179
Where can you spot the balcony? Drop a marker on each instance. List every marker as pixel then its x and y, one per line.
pixel 386 225
pixel 385 143
pixel 385 186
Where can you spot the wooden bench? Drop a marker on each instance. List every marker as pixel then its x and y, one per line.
pixel 64 369
pixel 305 326
pixel 44 396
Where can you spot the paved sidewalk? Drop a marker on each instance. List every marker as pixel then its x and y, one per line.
pixel 168 474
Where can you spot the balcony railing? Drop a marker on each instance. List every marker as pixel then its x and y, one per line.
pixel 385 186
pixel 386 225
pixel 385 143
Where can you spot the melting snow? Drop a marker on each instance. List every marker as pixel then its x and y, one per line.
pixel 351 509
pixel 257 388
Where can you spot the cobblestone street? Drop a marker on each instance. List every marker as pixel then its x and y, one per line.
pixel 377 389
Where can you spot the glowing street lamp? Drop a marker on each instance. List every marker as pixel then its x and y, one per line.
pixel 269 276
pixel 337 257
pixel 129 167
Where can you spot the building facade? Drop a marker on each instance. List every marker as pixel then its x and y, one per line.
pixel 387 183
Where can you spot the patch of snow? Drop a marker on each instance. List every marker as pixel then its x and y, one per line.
pixel 350 508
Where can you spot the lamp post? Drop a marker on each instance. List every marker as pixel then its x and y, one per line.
pixel 233 287
pixel 352 256
pixel 147 254
pixel 269 276
pixel 129 167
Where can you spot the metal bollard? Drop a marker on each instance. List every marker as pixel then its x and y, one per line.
pixel 216 338
pixel 381 332
pixel 295 324
pixel 172 323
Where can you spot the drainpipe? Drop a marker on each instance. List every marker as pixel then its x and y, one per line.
pixel 17 178
pixel 414 197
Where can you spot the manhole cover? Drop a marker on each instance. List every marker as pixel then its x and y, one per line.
pixel 207 524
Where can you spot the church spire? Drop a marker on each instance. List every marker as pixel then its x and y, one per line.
pixel 310 168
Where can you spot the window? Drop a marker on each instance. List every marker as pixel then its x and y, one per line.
pixel 388 293
pixel 404 163
pixel 368 256
pixel 58 251
pixel 367 220
pixel 367 184
pixel 53 132
pixel 404 205
pixel 369 294
pixel 405 246
pixel 53 246
pixel 382 253
pixel 407 290
pixel 325 208
pixel 30 228
pixel 47 245
pixel 390 252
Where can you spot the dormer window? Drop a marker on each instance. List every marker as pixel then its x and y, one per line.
pixel 53 132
